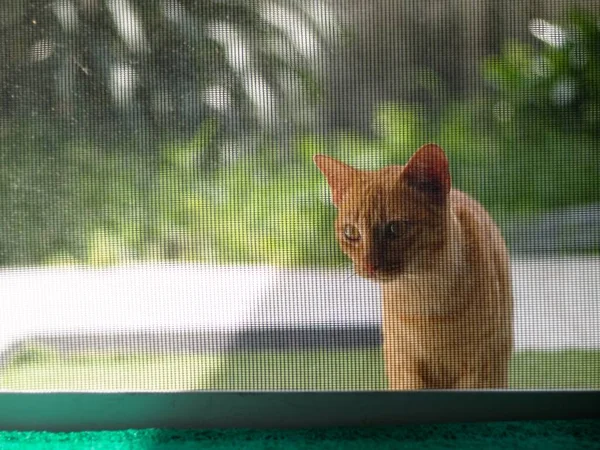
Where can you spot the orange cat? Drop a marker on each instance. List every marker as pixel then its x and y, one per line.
pixel 443 269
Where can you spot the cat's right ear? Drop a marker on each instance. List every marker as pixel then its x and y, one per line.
pixel 427 171
pixel 339 176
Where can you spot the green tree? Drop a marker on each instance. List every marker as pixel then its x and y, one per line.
pixel 134 68
pixel 555 84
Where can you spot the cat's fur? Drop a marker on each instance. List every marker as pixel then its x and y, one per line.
pixel 443 269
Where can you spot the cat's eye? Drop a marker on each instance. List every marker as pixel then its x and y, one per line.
pixel 351 233
pixel 395 229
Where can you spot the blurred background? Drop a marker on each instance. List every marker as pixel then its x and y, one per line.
pixel 183 130
pixel 130 128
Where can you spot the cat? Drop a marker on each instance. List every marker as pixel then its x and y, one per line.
pixel 442 265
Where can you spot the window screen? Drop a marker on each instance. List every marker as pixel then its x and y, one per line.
pixel 163 226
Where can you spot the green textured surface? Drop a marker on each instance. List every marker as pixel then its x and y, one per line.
pixel 515 435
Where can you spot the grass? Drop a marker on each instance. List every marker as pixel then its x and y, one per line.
pixel 574 369
pixel 361 369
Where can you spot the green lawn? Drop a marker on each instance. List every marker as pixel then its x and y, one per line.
pixel 362 369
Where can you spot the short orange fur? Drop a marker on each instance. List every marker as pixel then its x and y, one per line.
pixel 443 269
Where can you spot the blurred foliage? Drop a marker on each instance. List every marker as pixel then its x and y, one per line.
pixel 556 84
pixel 63 201
pixel 78 205
pixel 138 69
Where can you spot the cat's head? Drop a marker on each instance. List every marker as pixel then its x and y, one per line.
pixel 391 221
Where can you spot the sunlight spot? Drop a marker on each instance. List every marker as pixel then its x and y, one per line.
pixel 234 45
pixel 122 83
pixel 217 97
pixel 292 24
pixel 128 24
pixel 66 13
pixel 260 93
pixel 42 50
pixel 547 32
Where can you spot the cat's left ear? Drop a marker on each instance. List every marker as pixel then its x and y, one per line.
pixel 339 176
pixel 427 171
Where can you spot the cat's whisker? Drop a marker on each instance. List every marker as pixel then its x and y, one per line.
pixel 349 273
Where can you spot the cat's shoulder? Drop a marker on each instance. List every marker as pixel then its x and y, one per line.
pixel 468 210
pixel 463 203
pixel 478 227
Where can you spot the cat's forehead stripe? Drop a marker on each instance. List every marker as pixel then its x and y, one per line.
pixel 371 202
pixel 380 196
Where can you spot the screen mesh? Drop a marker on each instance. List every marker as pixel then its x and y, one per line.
pixel 163 225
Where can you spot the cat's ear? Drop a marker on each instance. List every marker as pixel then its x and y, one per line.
pixel 339 176
pixel 427 171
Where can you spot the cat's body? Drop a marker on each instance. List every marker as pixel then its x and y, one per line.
pixel 443 269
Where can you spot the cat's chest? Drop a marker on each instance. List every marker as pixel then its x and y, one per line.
pixel 428 295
